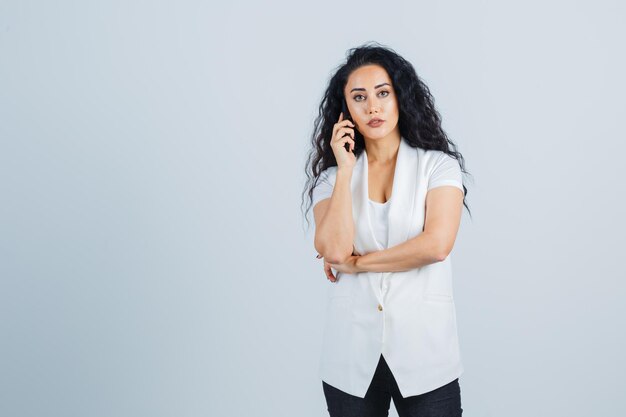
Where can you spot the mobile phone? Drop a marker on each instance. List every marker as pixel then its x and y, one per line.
pixel 346 115
pixel 344 110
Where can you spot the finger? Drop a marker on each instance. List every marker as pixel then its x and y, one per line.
pixel 336 129
pixel 346 122
pixel 338 124
pixel 349 133
pixel 336 274
pixel 329 272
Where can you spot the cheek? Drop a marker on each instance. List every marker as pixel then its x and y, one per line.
pixel 395 110
pixel 392 105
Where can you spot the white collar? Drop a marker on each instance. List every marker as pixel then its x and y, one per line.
pixel 402 203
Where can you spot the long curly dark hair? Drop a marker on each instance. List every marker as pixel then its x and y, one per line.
pixel 419 122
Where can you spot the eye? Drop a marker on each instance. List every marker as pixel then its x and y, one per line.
pixel 386 93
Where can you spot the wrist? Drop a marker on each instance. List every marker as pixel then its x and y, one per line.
pixel 344 172
pixel 358 263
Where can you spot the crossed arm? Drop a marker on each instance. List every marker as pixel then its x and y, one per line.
pixel 444 206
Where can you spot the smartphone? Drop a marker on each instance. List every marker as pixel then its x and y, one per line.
pixel 346 115
pixel 344 110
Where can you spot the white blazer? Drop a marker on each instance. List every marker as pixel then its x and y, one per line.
pixel 407 316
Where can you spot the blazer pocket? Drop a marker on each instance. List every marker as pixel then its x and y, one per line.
pixel 340 288
pixel 441 298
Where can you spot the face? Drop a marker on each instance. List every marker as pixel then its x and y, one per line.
pixel 369 93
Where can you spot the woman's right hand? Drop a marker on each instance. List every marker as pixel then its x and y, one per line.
pixel 343 132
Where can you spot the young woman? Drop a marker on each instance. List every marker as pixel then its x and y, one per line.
pixel 387 195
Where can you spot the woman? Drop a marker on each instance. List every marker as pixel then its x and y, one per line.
pixel 387 201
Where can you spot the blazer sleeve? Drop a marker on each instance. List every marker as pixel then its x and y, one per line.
pixel 325 185
pixel 446 171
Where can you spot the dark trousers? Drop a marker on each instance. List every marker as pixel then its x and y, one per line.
pixel 444 401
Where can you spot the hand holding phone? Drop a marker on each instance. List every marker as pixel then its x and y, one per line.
pixel 346 116
pixel 342 142
pixel 344 110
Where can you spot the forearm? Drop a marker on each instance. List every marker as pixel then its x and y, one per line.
pixel 414 253
pixel 335 233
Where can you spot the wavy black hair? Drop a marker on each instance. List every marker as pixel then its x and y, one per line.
pixel 419 122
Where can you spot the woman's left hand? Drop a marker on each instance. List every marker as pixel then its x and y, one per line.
pixel 347 267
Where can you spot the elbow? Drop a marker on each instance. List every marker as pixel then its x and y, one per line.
pixel 337 257
pixel 440 256
pixel 332 255
pixel 441 252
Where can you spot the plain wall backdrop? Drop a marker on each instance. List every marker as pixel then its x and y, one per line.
pixel 154 257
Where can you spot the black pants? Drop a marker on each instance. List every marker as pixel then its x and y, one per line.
pixel 444 401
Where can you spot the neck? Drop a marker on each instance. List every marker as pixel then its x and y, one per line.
pixel 384 150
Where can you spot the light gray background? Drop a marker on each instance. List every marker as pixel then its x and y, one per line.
pixel 154 260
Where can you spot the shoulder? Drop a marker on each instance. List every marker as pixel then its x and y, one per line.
pixel 443 169
pixel 325 182
pixel 331 170
pixel 329 174
pixel 433 154
pixel 324 185
pixel 433 157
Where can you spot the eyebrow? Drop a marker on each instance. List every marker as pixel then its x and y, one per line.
pixel 375 87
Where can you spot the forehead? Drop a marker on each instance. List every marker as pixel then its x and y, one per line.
pixel 367 76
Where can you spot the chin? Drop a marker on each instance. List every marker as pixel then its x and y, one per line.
pixel 378 134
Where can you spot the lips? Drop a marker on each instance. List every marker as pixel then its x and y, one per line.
pixel 375 122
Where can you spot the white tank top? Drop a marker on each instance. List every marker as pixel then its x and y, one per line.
pixel 379 216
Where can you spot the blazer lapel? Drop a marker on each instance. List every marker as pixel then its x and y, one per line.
pixel 365 241
pixel 401 207
pixel 403 194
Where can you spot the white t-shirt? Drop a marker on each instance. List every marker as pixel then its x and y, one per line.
pixel 447 171
pixel 380 220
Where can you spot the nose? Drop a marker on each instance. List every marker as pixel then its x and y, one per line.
pixel 374 107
